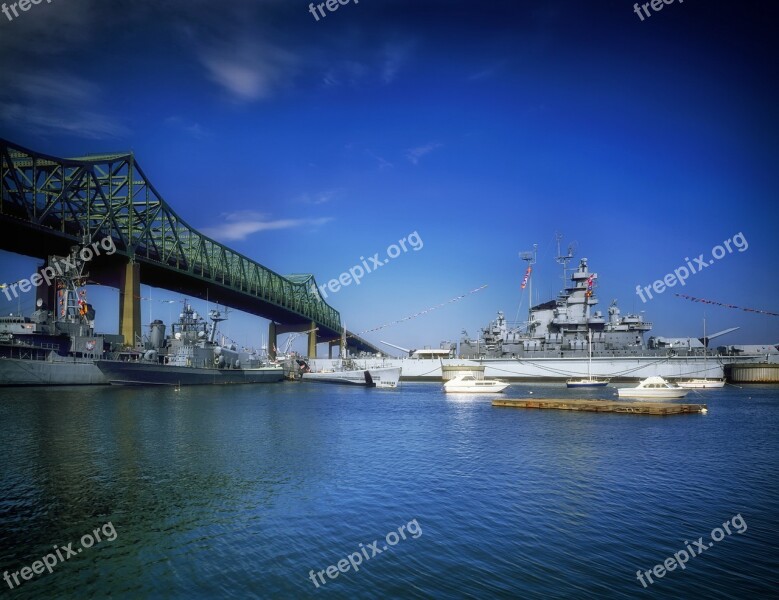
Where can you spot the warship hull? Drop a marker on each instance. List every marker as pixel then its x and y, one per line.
pixel 14 371
pixel 139 373
pixel 618 369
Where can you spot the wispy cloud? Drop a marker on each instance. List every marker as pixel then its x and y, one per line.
pixel 383 163
pixel 395 56
pixel 380 65
pixel 319 197
pixel 488 72
pixel 414 154
pixel 187 126
pixel 241 224
pixel 347 72
pixel 48 101
pixel 246 69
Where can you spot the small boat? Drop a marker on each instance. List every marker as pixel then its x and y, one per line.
pixel 654 388
pixel 588 381
pixel 468 384
pixel 349 373
pixel 702 383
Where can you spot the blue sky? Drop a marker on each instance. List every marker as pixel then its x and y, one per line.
pixel 484 127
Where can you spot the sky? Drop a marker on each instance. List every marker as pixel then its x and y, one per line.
pixel 477 128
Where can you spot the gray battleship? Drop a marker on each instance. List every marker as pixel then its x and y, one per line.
pixel 189 356
pixel 554 344
pixel 56 345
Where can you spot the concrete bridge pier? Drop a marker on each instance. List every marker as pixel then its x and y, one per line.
pixel 274 329
pixel 312 340
pixel 272 340
pixel 130 302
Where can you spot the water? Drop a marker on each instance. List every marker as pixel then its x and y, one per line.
pixel 241 492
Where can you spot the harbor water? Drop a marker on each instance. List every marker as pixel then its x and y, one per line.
pixel 253 491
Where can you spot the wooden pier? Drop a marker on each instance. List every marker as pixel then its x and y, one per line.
pixel 606 406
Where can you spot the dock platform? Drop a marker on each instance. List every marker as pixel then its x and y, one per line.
pixel 606 406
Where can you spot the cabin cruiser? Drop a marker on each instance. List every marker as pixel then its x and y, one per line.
pixel 653 388
pixel 468 384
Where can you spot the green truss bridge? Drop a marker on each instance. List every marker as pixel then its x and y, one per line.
pixel 49 204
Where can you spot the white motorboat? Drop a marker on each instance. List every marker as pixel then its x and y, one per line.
pixel 468 384
pixel 653 388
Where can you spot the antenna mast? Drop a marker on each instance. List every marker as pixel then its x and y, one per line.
pixel 564 260
pixel 530 259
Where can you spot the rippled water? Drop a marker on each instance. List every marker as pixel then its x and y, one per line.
pixel 240 492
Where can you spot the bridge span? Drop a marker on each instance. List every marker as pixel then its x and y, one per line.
pixel 49 204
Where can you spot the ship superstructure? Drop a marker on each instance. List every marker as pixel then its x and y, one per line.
pixel 561 327
pixel 56 345
pixel 190 355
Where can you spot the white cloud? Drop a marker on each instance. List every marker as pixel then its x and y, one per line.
pixel 414 154
pixel 248 70
pixel 241 224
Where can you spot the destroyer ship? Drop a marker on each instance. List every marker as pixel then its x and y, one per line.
pixel 56 345
pixel 189 356
pixel 554 344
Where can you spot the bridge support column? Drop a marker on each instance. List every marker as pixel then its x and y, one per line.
pixel 272 340
pixel 130 303
pixel 312 340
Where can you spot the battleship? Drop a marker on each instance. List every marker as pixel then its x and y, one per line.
pixel 569 338
pixel 56 345
pixel 189 356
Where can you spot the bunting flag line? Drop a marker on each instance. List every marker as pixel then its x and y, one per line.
pixel 419 314
pixel 424 312
pixel 526 277
pixel 714 302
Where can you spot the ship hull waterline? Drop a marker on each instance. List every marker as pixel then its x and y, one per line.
pixel 23 372
pixel 559 370
pixel 378 378
pixel 129 373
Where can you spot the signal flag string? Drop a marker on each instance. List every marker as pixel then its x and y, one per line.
pixel 754 310
pixel 418 314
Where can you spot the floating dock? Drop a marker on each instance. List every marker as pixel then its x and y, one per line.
pixel 606 406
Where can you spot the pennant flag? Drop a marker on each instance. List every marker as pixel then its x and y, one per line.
pixel 526 277
pixel 704 301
